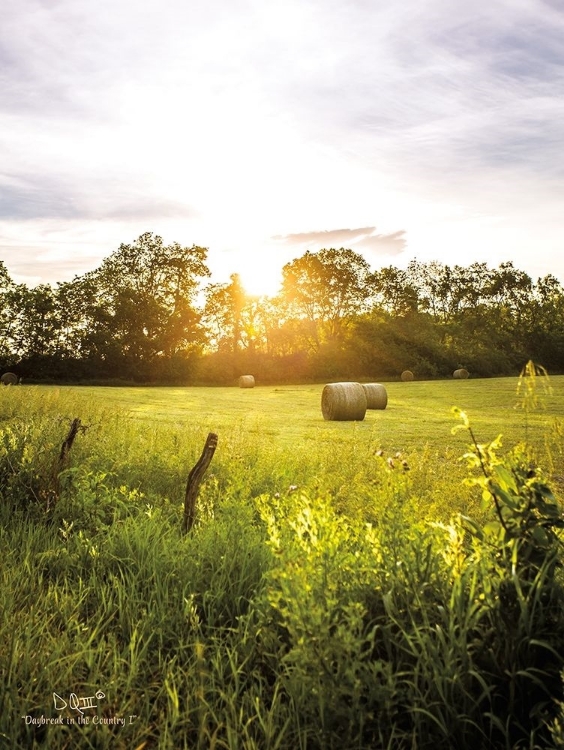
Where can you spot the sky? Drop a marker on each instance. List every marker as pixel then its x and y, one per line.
pixel 428 129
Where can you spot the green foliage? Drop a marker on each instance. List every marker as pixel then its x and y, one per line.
pixel 528 386
pixel 27 466
pixel 557 725
pixel 522 592
pixel 325 288
pixel 382 636
pixel 137 317
pixel 317 640
pixel 330 595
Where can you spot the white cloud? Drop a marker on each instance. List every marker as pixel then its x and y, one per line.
pixel 226 123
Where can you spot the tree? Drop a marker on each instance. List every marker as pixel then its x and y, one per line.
pixel 448 293
pixel 6 322
pixel 224 314
pixel 238 326
pixel 34 322
pixel 139 306
pixel 395 292
pixel 545 323
pixel 324 289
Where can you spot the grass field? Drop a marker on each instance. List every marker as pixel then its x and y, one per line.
pixel 284 424
pixel 418 413
pixel 271 438
pixel 328 597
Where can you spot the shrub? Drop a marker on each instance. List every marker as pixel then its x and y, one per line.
pixel 518 555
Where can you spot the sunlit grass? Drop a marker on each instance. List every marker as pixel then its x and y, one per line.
pixel 273 437
pixel 326 597
pixel 418 414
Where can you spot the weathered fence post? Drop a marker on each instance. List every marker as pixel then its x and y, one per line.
pixel 194 480
pixel 64 454
pixel 67 444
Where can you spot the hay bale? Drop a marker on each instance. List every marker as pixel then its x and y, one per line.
pixel 9 378
pixel 376 396
pixel 407 376
pixel 343 402
pixel 246 381
pixel 460 374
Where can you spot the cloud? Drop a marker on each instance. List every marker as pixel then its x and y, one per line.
pixel 458 91
pixel 32 202
pixel 32 264
pixel 326 238
pixel 31 198
pixel 147 207
pixel 384 244
pixel 265 117
pixel 362 238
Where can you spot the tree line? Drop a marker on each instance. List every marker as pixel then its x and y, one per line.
pixel 148 313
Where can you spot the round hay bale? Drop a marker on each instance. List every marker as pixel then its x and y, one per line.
pixel 246 381
pixel 407 376
pixel 9 378
pixel 376 396
pixel 343 402
pixel 460 374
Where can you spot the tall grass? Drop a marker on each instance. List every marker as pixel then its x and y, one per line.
pixel 351 600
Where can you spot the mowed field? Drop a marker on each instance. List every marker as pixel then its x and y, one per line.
pixel 419 414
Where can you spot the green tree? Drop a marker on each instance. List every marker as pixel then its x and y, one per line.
pixel 224 314
pixel 324 290
pixel 34 323
pixel 6 322
pixel 545 323
pixel 448 293
pixel 76 301
pixel 139 306
pixel 394 291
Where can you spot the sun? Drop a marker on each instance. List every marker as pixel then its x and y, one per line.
pixel 259 279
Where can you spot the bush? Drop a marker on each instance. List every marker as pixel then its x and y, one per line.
pixel 450 634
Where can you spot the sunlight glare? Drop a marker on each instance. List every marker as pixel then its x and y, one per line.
pixel 260 279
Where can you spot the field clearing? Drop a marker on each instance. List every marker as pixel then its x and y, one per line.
pixel 274 437
pixel 310 548
pixel 418 415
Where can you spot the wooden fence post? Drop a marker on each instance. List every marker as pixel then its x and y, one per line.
pixel 194 480
pixel 64 454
